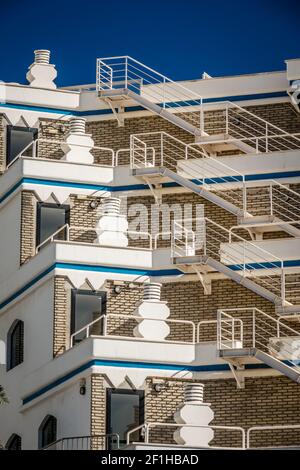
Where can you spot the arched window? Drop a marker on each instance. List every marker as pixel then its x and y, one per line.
pixel 14 442
pixel 15 344
pixel 47 431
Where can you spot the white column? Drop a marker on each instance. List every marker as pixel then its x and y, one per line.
pixel 41 73
pixel 154 309
pixel 78 145
pixel 112 226
pixel 195 412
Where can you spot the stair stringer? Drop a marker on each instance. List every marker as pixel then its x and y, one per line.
pixel 234 275
pixel 264 357
pixel 200 190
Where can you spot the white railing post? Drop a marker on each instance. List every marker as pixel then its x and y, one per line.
pixel 271 198
pixel 253 328
pixel 267 142
pixel 226 119
pixel 202 117
pixel 162 149
pixel 34 149
pixel 104 325
pixel 282 283
pixel 244 189
pixel 164 93
pixel 126 72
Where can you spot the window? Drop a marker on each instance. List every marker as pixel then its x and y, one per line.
pixel 51 217
pixel 47 431
pixel 17 139
pixel 14 442
pixel 87 306
pixel 125 411
pixel 15 344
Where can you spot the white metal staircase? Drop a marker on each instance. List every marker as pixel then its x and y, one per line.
pixel 270 204
pixel 245 333
pixel 122 79
pixel 204 246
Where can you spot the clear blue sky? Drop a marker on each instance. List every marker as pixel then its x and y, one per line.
pixel 180 38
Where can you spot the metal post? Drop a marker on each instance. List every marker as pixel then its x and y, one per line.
pixel 253 328
pixel 244 196
pixel 161 149
pixel 126 72
pixel 226 120
pixel 271 198
pixel 267 143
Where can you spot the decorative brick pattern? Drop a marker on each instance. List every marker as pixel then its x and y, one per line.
pixel 61 317
pixel 28 226
pixel 264 401
pixel 98 407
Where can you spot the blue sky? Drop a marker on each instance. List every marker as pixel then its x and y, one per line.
pixel 180 38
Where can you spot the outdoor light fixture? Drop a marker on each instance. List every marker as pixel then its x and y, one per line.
pixel 117 289
pixel 82 388
pixel 94 204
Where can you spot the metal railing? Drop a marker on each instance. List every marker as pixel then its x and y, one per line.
pixel 258 330
pixel 39 148
pixel 103 320
pixel 97 442
pixel 242 125
pixel 206 238
pixel 65 234
pixel 124 72
pixel 146 428
pixel 244 435
pixel 282 427
pixel 229 331
pixel 159 149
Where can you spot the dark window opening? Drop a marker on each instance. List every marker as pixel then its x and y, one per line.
pixel 50 218
pixel 14 442
pixel 125 411
pixel 47 431
pixel 15 344
pixel 87 306
pixel 17 139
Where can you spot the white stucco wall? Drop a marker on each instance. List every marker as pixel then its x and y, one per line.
pixel 36 310
pixel 10 216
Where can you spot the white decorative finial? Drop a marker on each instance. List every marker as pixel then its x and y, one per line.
pixel 41 74
pixel 194 412
pixel 78 145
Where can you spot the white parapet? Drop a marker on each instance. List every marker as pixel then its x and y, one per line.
pixel 194 412
pixel 41 74
pixel 112 226
pixel 78 145
pixel 155 312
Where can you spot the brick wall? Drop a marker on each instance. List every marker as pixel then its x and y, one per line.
pixel 263 401
pixel 98 410
pixel 108 134
pixel 28 226
pixel 61 316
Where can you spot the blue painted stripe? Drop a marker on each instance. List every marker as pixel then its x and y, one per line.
pixel 130 271
pixel 95 112
pixel 134 187
pixel 86 267
pixel 265 265
pixel 135 365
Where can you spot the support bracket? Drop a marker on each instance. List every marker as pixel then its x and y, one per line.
pixel 118 112
pixel 156 191
pixel 237 372
pixel 205 281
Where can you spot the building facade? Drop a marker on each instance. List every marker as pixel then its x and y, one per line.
pixel 150 259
